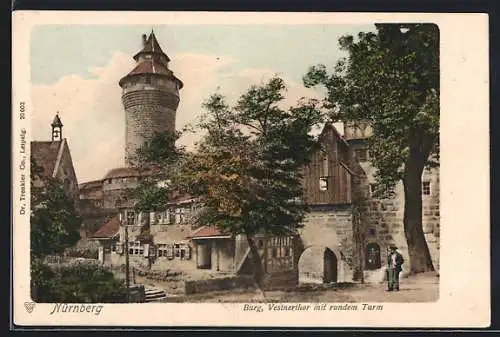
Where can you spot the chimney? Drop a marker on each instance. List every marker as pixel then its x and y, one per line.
pixel 144 39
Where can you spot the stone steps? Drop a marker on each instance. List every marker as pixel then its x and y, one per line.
pixel 154 295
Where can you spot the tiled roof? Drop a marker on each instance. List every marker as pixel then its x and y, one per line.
pixel 123 172
pixel 109 229
pixel 45 155
pixel 151 46
pixel 185 199
pixel 90 184
pixel 150 67
pixel 207 232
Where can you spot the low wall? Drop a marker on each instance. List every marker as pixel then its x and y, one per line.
pixel 228 283
pixel 281 280
pixel 137 294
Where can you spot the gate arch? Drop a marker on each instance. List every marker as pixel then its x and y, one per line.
pixel 318 264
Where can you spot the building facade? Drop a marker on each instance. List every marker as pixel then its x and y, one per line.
pixel 54 160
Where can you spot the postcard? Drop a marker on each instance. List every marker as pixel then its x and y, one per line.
pixel 208 169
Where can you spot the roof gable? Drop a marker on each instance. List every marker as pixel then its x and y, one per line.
pixel 109 230
pixel 45 154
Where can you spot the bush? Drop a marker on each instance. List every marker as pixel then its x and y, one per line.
pixel 85 283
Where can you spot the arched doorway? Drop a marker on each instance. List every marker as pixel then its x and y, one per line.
pixel 318 264
pixel 329 266
pixel 372 256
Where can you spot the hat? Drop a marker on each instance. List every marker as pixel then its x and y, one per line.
pixel 393 247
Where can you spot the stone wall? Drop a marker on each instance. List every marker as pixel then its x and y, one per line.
pixel 218 284
pixel 329 227
pixel 149 108
pixel 382 219
pixel 113 190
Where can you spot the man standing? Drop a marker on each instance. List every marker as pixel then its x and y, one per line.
pixel 394 262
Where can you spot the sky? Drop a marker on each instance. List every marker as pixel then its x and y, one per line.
pixel 75 71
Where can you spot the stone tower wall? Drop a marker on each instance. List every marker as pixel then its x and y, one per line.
pixel 149 108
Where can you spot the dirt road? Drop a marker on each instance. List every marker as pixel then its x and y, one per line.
pixel 421 288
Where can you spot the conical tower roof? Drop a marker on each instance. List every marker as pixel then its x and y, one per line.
pixel 151 60
pixel 57 121
pixel 151 46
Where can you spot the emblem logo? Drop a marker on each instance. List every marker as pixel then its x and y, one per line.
pixel 29 306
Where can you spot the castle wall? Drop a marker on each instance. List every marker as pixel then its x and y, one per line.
pixel 113 190
pixel 382 219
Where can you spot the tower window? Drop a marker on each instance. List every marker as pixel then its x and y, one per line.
pixel 426 188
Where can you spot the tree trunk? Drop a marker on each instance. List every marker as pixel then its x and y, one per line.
pixel 258 268
pixel 418 251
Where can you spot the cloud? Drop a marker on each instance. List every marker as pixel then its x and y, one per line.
pixel 93 116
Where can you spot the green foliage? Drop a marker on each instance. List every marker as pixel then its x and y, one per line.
pixel 159 160
pixel 248 166
pixel 54 219
pixel 390 80
pixel 83 283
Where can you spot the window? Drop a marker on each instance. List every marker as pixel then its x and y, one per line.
pixel 361 154
pixel 261 243
pixel 323 183
pixel 426 188
pixel 179 215
pixel 130 218
pixel 372 231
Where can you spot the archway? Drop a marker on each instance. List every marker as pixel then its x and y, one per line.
pixel 372 256
pixel 329 266
pixel 318 264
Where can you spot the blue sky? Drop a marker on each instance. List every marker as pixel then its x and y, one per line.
pixel 75 70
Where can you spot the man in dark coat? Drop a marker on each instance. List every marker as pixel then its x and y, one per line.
pixel 394 262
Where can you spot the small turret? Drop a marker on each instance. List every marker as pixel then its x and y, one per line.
pixel 57 128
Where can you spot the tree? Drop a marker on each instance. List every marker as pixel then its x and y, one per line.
pixel 390 79
pixel 248 166
pixel 54 218
pixel 158 163
pixel 54 228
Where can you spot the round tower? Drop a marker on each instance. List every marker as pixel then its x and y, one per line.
pixel 150 96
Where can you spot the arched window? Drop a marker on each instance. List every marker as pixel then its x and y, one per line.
pixel 372 256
